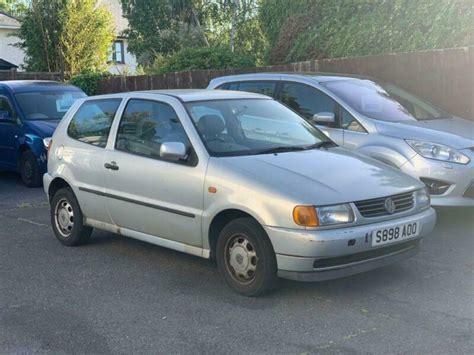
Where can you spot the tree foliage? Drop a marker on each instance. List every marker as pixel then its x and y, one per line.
pixel 309 29
pixel 158 29
pixel 15 8
pixel 66 35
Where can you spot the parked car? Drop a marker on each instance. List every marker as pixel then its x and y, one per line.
pixel 235 176
pixel 381 121
pixel 29 112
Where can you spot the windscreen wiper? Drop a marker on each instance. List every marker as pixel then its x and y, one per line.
pixel 322 144
pixel 281 149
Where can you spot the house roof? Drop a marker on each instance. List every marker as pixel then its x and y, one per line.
pixel 115 7
pixel 8 22
pixel 6 65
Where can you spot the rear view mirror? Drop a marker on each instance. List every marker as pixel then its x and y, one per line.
pixel 324 117
pixel 173 151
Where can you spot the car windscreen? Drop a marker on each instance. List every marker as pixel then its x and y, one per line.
pixel 46 105
pixel 251 126
pixel 384 102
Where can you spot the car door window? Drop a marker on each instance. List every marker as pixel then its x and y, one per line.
pixel 262 87
pixel 350 123
pixel 259 87
pixel 306 100
pixel 145 125
pixel 92 121
pixel 6 107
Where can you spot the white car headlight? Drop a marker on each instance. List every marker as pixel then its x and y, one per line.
pixel 438 152
pixel 335 214
pixel 422 197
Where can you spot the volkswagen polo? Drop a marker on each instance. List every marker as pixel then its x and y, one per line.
pixel 233 176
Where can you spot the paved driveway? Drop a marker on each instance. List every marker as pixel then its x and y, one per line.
pixel 120 295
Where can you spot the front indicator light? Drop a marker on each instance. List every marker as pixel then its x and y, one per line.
pixel 423 198
pixel 305 216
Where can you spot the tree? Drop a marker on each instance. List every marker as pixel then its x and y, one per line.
pixel 66 35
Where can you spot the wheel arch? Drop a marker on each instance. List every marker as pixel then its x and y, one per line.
pixel 219 221
pixel 55 185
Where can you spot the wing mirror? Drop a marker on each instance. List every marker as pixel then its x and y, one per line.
pixel 324 117
pixel 6 117
pixel 173 151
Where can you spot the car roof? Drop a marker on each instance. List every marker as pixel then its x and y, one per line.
pixel 36 85
pixel 319 77
pixel 188 95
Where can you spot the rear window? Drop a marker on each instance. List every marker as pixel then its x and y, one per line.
pixel 92 121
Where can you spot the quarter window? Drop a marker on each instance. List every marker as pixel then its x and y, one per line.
pixel 306 100
pixel 91 123
pixel 145 125
pixel 6 107
pixel 350 123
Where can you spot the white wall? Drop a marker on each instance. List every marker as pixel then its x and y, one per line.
pixel 9 53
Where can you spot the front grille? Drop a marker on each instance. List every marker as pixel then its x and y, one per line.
pixel 470 191
pixel 376 207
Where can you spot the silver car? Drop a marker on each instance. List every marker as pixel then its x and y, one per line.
pixel 233 176
pixel 381 121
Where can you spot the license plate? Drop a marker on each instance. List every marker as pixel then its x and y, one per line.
pixel 395 233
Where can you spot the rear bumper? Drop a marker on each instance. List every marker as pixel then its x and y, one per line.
pixel 316 255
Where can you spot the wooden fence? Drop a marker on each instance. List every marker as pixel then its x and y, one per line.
pixel 13 74
pixel 444 77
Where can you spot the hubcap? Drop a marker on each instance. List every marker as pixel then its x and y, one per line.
pixel 28 170
pixel 64 217
pixel 241 259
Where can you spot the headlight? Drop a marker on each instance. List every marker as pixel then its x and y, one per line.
pixel 312 216
pixel 438 152
pixel 422 198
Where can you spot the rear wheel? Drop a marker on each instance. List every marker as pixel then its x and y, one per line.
pixel 29 169
pixel 67 219
pixel 245 257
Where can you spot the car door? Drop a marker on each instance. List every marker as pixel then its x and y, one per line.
pixel 82 155
pixel 146 193
pixel 9 131
pixel 308 101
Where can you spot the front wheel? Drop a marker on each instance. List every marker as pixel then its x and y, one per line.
pixel 29 169
pixel 67 219
pixel 245 257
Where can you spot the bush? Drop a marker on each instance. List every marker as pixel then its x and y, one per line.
pixel 202 58
pixel 347 28
pixel 88 81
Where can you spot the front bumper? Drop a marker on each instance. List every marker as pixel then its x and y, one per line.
pixel 317 255
pixel 460 177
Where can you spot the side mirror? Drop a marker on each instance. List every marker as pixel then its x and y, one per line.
pixel 324 117
pixel 173 151
pixel 6 117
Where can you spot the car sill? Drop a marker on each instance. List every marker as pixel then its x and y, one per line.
pixel 189 249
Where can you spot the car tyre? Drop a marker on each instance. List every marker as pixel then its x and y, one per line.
pixel 67 219
pixel 29 170
pixel 245 257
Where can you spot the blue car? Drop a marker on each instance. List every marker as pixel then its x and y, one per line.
pixel 30 112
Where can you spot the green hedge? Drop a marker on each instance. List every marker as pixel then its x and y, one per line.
pixel 313 29
pixel 88 81
pixel 202 58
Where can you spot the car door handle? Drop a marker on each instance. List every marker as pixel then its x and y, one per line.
pixel 112 166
